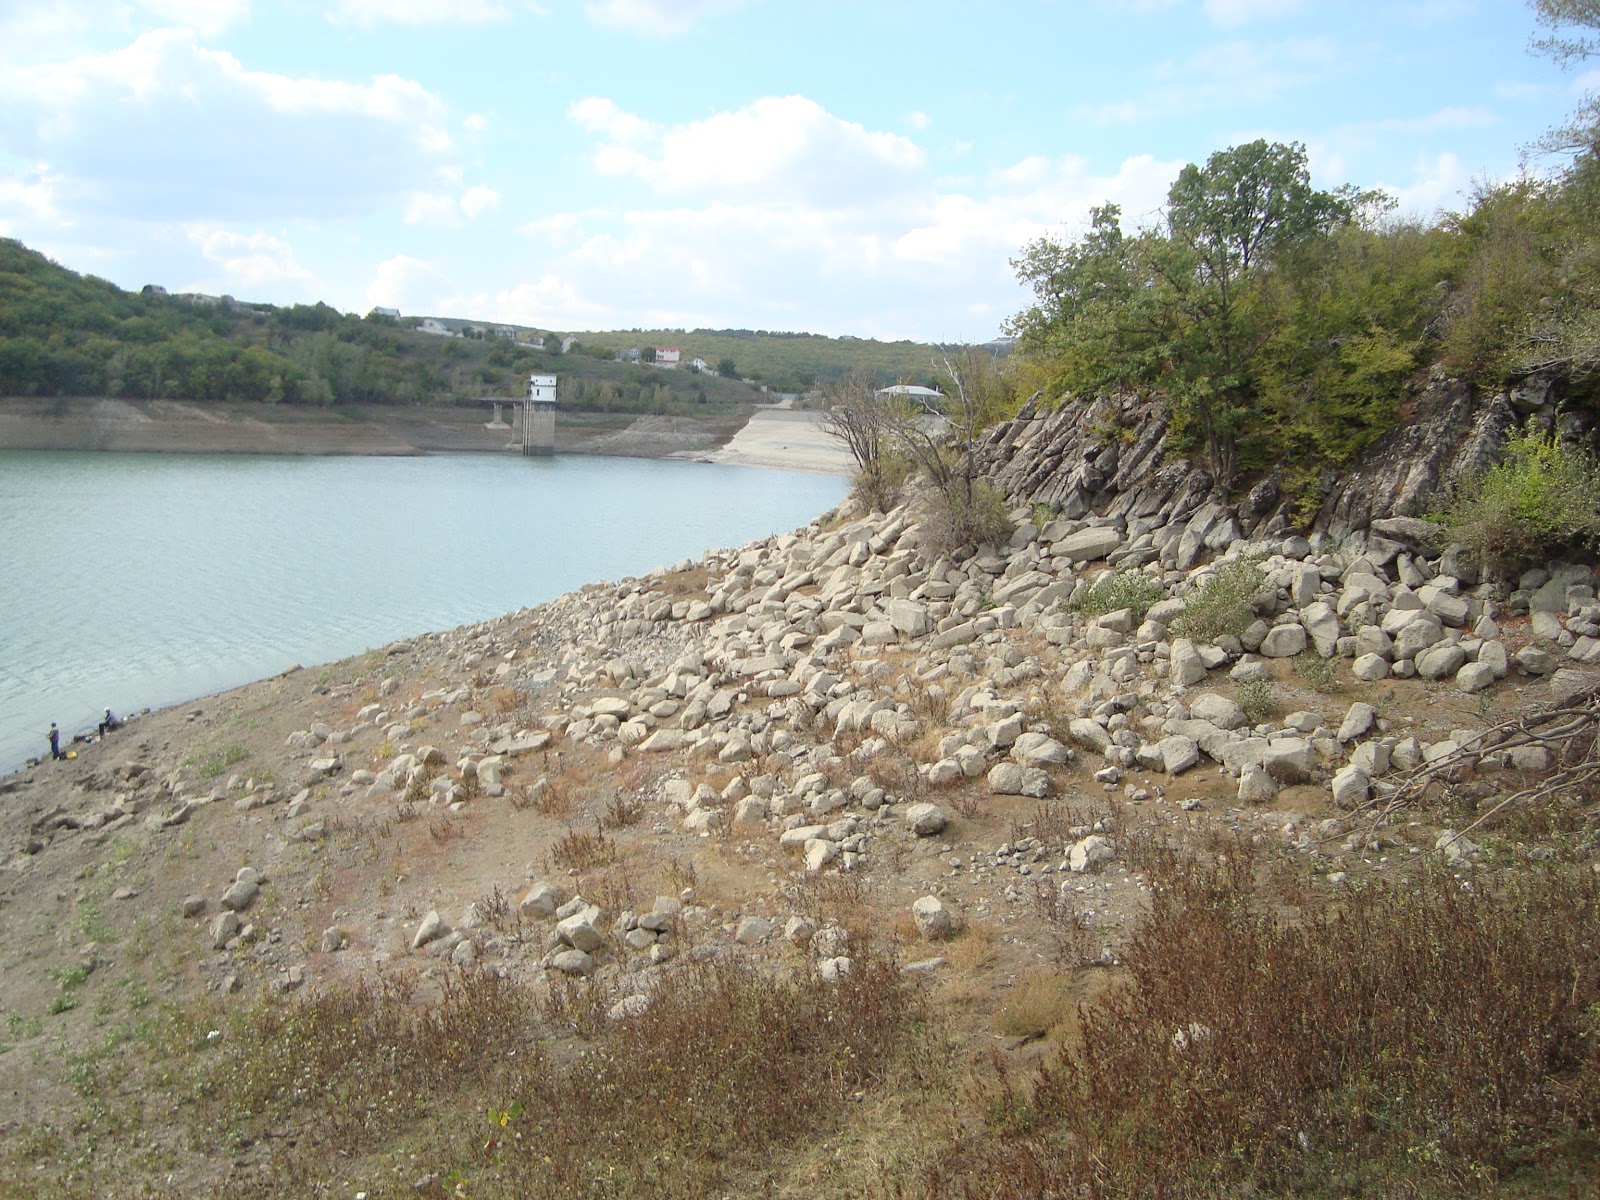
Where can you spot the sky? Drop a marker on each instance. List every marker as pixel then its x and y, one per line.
pixel 866 168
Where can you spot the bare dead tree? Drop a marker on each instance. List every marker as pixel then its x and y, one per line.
pixel 856 416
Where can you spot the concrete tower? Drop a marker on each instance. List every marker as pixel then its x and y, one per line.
pixel 539 416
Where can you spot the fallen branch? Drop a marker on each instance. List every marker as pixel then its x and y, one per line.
pixel 1567 734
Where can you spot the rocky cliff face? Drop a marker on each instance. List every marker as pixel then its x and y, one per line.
pixel 1107 458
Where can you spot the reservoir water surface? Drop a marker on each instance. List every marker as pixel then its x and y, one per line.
pixel 140 580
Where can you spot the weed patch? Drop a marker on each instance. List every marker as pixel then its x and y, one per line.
pixel 1419 1040
pixel 1114 591
pixel 1224 605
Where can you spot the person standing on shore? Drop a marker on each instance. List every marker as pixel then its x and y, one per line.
pixel 55 741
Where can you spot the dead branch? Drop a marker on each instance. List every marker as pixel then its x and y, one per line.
pixel 1567 734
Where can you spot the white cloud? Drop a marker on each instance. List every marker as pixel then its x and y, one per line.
pixel 776 148
pixel 206 17
pixel 444 211
pixel 548 301
pixel 657 18
pixel 1242 12
pixel 828 257
pixel 30 198
pixel 1232 74
pixel 248 259
pixel 406 283
pixel 476 201
pixel 166 129
pixel 425 12
pixel 432 208
pixel 596 114
pixel 1438 184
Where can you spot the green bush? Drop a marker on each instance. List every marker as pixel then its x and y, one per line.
pixel 1116 590
pixel 1224 605
pixel 1257 699
pixel 877 486
pixel 1542 497
pixel 958 518
pixel 1318 672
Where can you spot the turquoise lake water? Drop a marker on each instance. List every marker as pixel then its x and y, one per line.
pixel 141 580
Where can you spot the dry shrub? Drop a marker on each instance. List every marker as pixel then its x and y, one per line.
pixel 1429 1037
pixel 624 810
pixel 502 700
pixel 973 947
pixel 613 889
pixel 1035 1004
pixel 727 1068
pixel 1057 821
pixel 838 898
pixel 966 799
pixel 584 851
pixel 726 1065
pixel 358 1061
pixel 1069 932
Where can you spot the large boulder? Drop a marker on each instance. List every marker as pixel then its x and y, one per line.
pixel 1088 545
pixel 1185 667
pixel 1012 779
pixel 934 921
pixel 1039 750
pixel 1283 641
pixel 1290 760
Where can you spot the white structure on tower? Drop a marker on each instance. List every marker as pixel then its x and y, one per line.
pixel 539 416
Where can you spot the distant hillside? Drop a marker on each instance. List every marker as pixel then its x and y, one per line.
pixel 786 362
pixel 66 334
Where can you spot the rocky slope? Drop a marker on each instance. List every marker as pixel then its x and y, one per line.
pixel 825 735
pixel 1109 457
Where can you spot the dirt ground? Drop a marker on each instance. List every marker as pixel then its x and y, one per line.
pixel 97 874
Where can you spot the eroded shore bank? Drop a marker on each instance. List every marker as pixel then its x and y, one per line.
pixel 769 438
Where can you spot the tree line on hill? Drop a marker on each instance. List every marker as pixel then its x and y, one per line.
pixel 65 334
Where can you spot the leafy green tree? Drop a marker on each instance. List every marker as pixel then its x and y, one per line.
pixel 1250 209
pixel 727 368
pixel 1182 307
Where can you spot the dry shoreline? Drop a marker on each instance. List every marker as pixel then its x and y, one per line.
pixel 774 438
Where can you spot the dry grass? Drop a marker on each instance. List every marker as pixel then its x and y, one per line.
pixel 974 947
pixel 1420 1041
pixel 581 850
pixel 1035 1004
pixel 502 700
pixel 727 1070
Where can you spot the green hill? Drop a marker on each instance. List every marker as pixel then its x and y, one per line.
pixel 66 334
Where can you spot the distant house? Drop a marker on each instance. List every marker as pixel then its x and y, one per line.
pixel 668 356
pixel 568 342
pixel 384 312
pixel 701 365
pixel 432 325
pixel 152 289
pixel 505 331
pixel 926 397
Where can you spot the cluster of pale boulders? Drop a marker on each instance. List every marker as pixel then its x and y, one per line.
pixel 815 684
pixel 784 661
